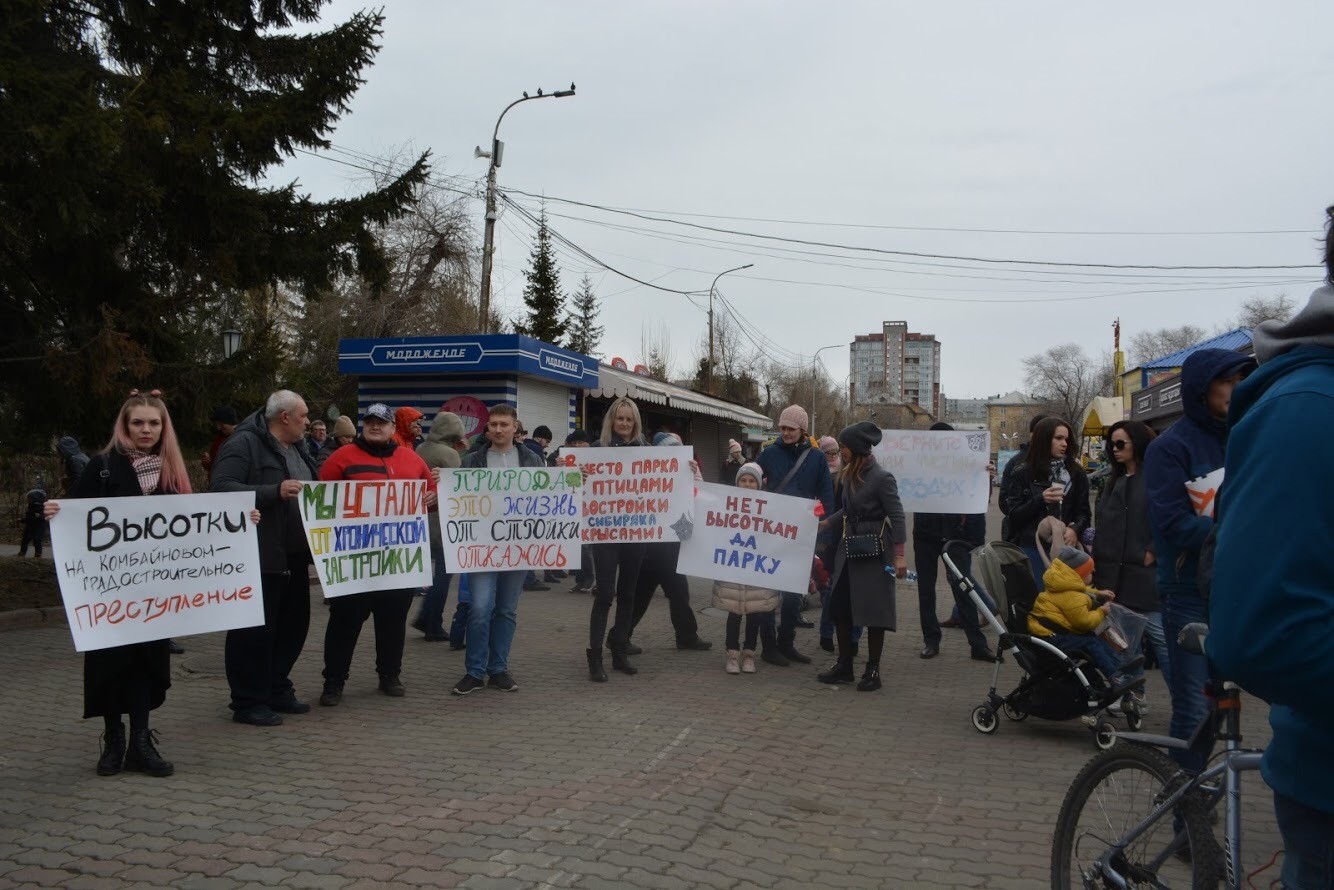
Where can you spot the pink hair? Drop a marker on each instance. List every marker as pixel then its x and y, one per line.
pixel 175 479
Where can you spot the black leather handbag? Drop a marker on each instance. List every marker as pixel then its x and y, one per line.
pixel 864 546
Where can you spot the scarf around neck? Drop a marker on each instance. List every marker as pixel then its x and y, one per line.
pixel 148 467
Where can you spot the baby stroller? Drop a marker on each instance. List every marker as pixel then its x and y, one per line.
pixel 1055 685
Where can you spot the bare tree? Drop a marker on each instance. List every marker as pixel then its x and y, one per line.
pixel 656 350
pixel 1067 378
pixel 1256 310
pixel 1149 345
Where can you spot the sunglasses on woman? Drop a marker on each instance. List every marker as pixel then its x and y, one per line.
pixel 1118 444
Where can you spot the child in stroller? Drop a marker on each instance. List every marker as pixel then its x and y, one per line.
pixel 1055 685
pixel 1069 614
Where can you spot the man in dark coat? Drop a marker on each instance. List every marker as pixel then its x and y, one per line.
pixel 1190 450
pixel 930 533
pixel 265 455
pixel 74 459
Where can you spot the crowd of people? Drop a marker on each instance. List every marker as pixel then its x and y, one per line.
pixel 1148 547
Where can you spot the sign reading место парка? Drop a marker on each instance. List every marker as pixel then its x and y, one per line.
pixel 367 535
pixel 147 568
pixel 501 520
pixel 634 493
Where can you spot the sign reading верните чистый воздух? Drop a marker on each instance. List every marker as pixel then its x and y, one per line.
pixel 368 535
pixel 147 568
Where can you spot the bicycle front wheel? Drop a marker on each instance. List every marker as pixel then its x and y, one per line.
pixel 1113 794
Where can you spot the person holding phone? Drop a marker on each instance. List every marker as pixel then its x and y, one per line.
pixel 1050 482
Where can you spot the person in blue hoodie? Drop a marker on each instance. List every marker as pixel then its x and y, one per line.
pixel 1271 610
pixel 793 466
pixel 1190 449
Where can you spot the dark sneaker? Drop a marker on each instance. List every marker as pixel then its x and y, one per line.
pixel 468 684
pixel 332 695
pixel 258 716
pixel 696 644
pixel 392 686
pixel 289 704
pixel 504 681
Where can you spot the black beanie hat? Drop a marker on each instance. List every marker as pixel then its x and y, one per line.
pixel 860 438
pixel 224 414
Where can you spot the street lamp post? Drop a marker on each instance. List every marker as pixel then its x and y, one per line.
pixel 231 343
pixel 708 380
pixel 815 361
pixel 489 239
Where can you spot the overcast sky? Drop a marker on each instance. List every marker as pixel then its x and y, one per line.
pixel 890 126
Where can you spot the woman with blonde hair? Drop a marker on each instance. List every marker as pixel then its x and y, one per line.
pixel 615 564
pixel 142 458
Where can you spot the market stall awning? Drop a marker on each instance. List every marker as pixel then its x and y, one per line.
pixel 1101 413
pixel 615 382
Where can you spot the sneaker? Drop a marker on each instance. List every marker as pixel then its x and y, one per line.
pixel 290 705
pixel 582 587
pixel 536 585
pixel 504 681
pixel 696 644
pixel 827 644
pixel 468 684
pixel 260 715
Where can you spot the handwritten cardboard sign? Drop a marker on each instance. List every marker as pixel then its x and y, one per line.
pixel 942 471
pixel 634 493
pixel 1203 492
pixel 754 538
pixel 503 520
pixel 368 535
pixel 147 568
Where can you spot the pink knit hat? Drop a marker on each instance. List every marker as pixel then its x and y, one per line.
pixel 794 415
pixel 826 442
pixel 733 446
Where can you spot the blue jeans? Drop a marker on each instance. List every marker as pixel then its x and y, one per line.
pixel 1158 640
pixel 1104 656
pixel 492 619
pixel 1188 674
pixel 1308 840
pixel 981 591
pixel 788 615
pixel 458 627
pixel 1036 564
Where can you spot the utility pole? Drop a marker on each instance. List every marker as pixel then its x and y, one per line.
pixel 708 378
pixel 489 238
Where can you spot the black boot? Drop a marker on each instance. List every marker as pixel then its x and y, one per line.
pixel 390 685
pixel 841 672
pixel 332 694
pixel 596 672
pixel 142 755
pixel 789 651
pixel 771 655
pixel 870 678
pixel 113 751
pixel 620 661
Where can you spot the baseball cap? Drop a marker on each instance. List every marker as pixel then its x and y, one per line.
pixel 380 411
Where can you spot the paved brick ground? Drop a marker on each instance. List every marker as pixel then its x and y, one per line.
pixel 680 777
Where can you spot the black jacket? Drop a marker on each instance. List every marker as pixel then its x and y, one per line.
pixel 476 459
pixel 252 460
pixel 1021 500
pixel 1124 536
pixel 941 527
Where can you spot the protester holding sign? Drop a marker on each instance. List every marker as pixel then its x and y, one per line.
pixel 143 458
pixel 794 466
pixel 493 615
pixel 756 603
pixel 869 522
pixel 264 455
pixel 1192 447
pixel 372 456
pixel 616 565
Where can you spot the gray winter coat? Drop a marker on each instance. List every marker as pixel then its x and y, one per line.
pixel 863 510
pixel 1123 536
pixel 252 460
pixel 437 450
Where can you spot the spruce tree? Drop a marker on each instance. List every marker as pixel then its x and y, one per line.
pixel 134 139
pixel 541 293
pixel 585 332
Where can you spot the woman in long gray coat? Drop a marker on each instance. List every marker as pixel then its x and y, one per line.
pixel 862 588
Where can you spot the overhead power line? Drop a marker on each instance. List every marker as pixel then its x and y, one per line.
pixel 907 253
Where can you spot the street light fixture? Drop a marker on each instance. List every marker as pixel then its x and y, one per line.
pixel 496 154
pixel 708 380
pixel 815 361
pixel 231 342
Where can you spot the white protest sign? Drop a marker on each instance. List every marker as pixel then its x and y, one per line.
pixel 1203 492
pixel 634 493
pixel 368 535
pixel 938 471
pixel 750 537
pixel 502 520
pixel 147 568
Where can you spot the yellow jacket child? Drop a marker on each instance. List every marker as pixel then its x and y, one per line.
pixel 1067 602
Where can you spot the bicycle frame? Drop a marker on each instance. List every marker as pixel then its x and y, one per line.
pixel 1225 709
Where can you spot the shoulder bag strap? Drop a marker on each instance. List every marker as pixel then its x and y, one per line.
pixel 792 472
